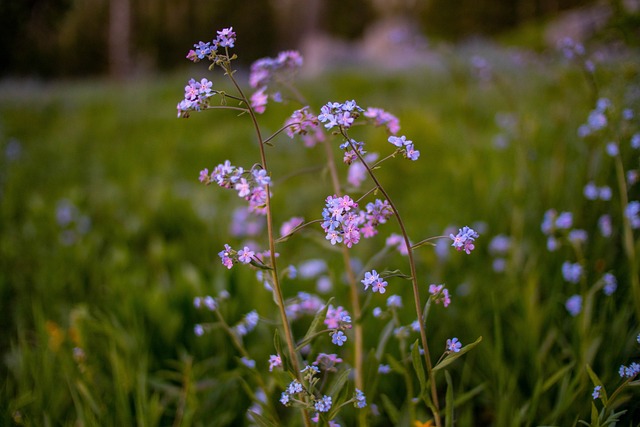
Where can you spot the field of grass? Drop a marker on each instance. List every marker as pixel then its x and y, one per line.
pixel 106 238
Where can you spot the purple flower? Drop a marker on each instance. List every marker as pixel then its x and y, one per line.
pixel 301 122
pixel 259 100
pixel 394 301
pixel 612 149
pixel 453 345
pixel 610 284
pixel 225 256
pixel 635 141
pixel 384 369
pixel 245 255
pixel 596 392
pixel 249 363
pixel 198 330
pixel 328 362
pixel 440 294
pixel 464 239
pixel 632 212
pixel 294 387
pixel 275 361
pixel 571 272
pixel 290 225
pixel 226 37
pixel 604 224
pixel 337 318
pixel 383 118
pixel 574 305
pixel 335 114
pixel 323 405
pixel 361 400
pixel 564 221
pixel 374 280
pixel 338 338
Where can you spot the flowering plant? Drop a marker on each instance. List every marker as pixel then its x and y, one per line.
pixel 319 386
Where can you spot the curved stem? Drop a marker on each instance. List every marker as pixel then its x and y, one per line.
pixel 272 250
pixel 414 282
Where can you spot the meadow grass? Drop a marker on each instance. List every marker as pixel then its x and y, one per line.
pixel 118 278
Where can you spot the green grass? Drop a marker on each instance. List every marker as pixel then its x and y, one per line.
pixel 123 290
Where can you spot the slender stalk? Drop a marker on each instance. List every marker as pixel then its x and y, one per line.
pixel 272 250
pixel 353 289
pixel 629 244
pixel 414 282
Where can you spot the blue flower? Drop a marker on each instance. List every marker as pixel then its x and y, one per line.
pixel 596 392
pixel 338 338
pixel 574 305
pixel 453 345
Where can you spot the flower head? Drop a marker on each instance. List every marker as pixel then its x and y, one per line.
pixel 338 338
pixel 464 239
pixel 596 392
pixel 453 345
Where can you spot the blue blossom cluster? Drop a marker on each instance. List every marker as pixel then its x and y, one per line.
pixel 335 114
pixel 572 272
pixel 632 212
pixel 250 185
pixel 264 71
pixel 405 146
pixel 247 324
pixel 463 241
pixel 553 225
pixel 196 97
pixel 574 305
pixel 373 279
pixel 629 371
pixel 498 247
pixel 225 38
pixel 596 120
pixel 229 256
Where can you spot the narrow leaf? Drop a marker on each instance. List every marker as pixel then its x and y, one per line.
pixel 449 402
pixel 392 411
pixel 261 420
pixel 417 366
pixel 339 383
pixel 451 357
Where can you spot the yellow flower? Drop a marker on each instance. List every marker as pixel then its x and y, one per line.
pixel 423 424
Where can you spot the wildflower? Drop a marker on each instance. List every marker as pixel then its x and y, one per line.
pixel 453 345
pixel 577 236
pixel 284 398
pixel 335 114
pixel 226 37
pixel 405 146
pixel 394 301
pixel 604 224
pixel 324 404
pixel 548 222
pixel 500 244
pixel 373 279
pixel 311 370
pixel 638 339
pixel 196 97
pixel 596 392
pixel 337 318
pixel 249 363
pixel 571 272
pixel 632 176
pixel 632 212
pixel 610 284
pixel 275 361
pixel 564 221
pixel 629 371
pixel 327 362
pixel 377 312
pixel 464 239
pixel 612 149
pixel 415 326
pixel 245 255
pixel 198 330
pixel 259 100
pixel 338 338
pixel 574 305
pixel 265 69
pixel 361 400
pixel 380 117
pixel 225 256
pixel 301 122
pixel 384 369
pixel 440 294
pixel 294 387
pixel 635 141
pixel 401 332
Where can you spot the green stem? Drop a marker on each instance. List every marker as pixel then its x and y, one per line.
pixel 272 250
pixel 414 282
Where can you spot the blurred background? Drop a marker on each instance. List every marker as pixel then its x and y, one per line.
pixel 67 38
pixel 106 235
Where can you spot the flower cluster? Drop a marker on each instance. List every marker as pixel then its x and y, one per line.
pixel 337 318
pixel 632 212
pixel 380 117
pixel 552 224
pixel 464 239
pixel 344 223
pixel 250 185
pixel 574 305
pixel 596 120
pixel 593 192
pixel 265 70
pixel 275 361
pixel 405 146
pixel 327 362
pixel 303 304
pixel 225 38
pixel 571 272
pixel 629 371
pixel 229 256
pixel 342 115
pixel 196 97
pixel 373 279
pixel 247 324
pixel 440 294
pixel 301 122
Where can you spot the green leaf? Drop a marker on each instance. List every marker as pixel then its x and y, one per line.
pixel 390 408
pixel 384 337
pixel 317 320
pixel 339 382
pixel 451 357
pixel 395 365
pixel 417 366
pixel 465 397
pixel 261 420
pixel 286 363
pixel 394 273
pixel 556 377
pixel 449 402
